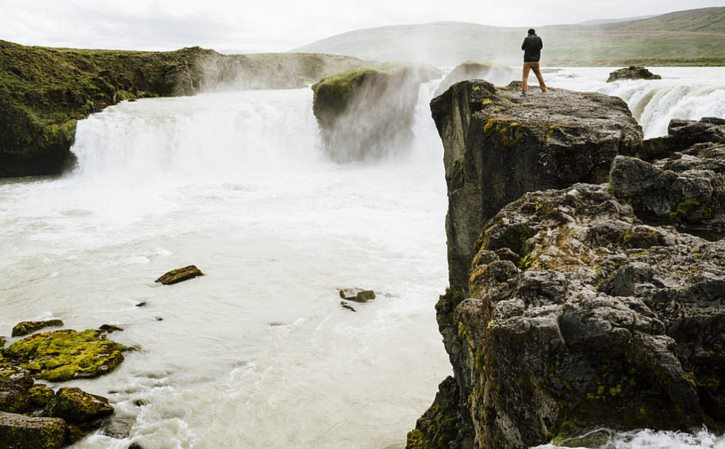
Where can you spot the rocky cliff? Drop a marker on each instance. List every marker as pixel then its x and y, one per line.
pixel 368 113
pixel 585 307
pixel 499 145
pixel 44 91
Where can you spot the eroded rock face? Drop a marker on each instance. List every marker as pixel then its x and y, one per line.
pixel 579 316
pixel 632 73
pixel 687 190
pixel 368 113
pixel 499 146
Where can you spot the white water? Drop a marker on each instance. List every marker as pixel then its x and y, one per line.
pixel 258 353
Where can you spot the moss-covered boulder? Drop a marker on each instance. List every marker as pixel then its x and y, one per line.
pixel 439 426
pixel 367 113
pixel 179 275
pixel 40 395
pixel 632 73
pixel 28 327
pixel 77 407
pixel 66 354
pixel 23 432
pixel 15 384
pixel 472 70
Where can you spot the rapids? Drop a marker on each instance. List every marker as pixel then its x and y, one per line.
pixel 259 353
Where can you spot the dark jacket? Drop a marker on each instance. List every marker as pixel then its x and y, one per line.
pixel 532 48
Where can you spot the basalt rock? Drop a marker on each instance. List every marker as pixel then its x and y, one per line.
pixel 681 135
pixel 687 189
pixel 579 316
pixel 632 73
pixel 28 327
pixel 357 294
pixel 471 70
pixel 367 113
pixel 22 432
pixel 499 146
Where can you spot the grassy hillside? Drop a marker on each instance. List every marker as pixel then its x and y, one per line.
pixel 695 37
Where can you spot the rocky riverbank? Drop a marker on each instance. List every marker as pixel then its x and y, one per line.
pixel 45 91
pixel 589 306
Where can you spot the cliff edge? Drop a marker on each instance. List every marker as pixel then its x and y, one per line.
pixel 584 308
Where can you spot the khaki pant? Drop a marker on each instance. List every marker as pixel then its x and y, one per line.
pixel 528 67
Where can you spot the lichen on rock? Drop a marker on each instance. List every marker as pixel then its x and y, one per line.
pixel 23 432
pixel 66 354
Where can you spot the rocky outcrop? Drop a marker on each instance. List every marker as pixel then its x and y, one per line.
pixel 77 407
pixel 66 354
pixel 632 73
pixel 586 306
pixel 499 146
pixel 28 327
pixel 357 294
pixel 472 70
pixel 45 91
pixel 368 113
pixel 681 135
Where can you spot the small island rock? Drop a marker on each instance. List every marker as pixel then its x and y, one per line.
pixel 28 327
pixel 180 275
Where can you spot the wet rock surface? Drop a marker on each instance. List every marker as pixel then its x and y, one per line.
pixel 28 327
pixel 77 407
pixel 632 73
pixel 499 146
pixel 179 275
pixel 367 113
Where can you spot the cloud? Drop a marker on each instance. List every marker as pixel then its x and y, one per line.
pixel 277 25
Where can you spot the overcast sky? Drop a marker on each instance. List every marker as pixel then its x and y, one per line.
pixel 280 25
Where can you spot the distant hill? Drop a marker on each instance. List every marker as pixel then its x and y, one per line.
pixel 693 37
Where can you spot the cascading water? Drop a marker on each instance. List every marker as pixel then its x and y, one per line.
pixel 259 353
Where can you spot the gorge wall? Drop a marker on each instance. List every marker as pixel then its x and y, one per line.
pixel 580 300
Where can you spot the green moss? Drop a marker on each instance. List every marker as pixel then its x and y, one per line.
pixel 66 354
pixel 40 395
pixel 488 126
pixel 511 135
pixel 684 209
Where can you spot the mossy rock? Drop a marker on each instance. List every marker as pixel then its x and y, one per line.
pixel 28 327
pixel 180 275
pixel 76 406
pixel 23 432
pixel 66 354
pixel 40 395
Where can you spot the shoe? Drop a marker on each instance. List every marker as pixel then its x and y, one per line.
pixel 523 94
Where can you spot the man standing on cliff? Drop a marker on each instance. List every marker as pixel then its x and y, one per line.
pixel 532 54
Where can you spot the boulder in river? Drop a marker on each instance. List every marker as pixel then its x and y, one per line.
pixel 28 327
pixel 15 385
pixel 66 354
pixel 357 294
pixel 180 275
pixel 77 407
pixel 23 432
pixel 632 73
